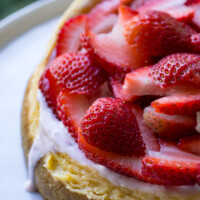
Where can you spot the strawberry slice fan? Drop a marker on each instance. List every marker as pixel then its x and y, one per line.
pixel 125 83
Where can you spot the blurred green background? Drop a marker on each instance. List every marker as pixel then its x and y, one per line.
pixel 9 6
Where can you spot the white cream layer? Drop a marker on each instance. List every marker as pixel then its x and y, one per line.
pixel 54 137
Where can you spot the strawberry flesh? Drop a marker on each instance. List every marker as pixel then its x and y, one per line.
pixel 69 35
pixel 166 169
pixel 126 165
pixel 165 34
pixel 111 126
pixel 113 48
pixel 71 108
pixel 177 69
pixel 176 9
pixel 50 88
pixel 190 144
pixel 119 93
pixel 178 104
pixel 195 41
pixel 148 135
pixel 77 73
pixel 139 82
pixel 171 127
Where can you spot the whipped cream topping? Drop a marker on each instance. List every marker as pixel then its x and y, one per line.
pixel 54 137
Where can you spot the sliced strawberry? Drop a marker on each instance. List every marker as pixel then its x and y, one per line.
pixel 165 34
pixel 136 4
pixel 190 144
pixel 191 2
pixel 106 7
pixel 126 165
pixel 101 23
pixel 195 41
pixel 170 169
pixel 68 37
pixel 102 17
pixel 170 127
pixel 119 93
pixel 111 126
pixel 176 9
pixel 113 49
pixel 195 4
pixel 148 135
pixel 198 174
pixel 71 109
pixel 178 104
pixel 50 89
pixel 139 82
pixel 177 69
pixel 77 72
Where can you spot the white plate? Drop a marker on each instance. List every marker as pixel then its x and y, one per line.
pixel 18 60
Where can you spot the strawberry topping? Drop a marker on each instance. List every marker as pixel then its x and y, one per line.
pixel 176 9
pixel 71 109
pixel 50 88
pixel 168 169
pixel 125 83
pixel 170 127
pixel 177 69
pixel 119 93
pixel 69 35
pixel 127 165
pixel 190 144
pixel 111 126
pixel 77 72
pixel 113 48
pixel 165 34
pixel 195 41
pixel 178 104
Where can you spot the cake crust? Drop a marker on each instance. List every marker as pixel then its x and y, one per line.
pixel 50 182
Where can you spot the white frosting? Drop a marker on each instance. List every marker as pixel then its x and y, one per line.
pixel 54 137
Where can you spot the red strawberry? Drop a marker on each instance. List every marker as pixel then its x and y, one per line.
pixel 102 17
pixel 115 71
pixel 101 23
pixel 113 48
pixel 178 104
pixel 139 82
pixel 137 4
pixel 111 126
pixel 176 9
pixel 50 89
pixel 68 37
pixel 195 4
pixel 195 41
pixel 191 2
pixel 126 165
pixel 119 93
pixel 165 34
pixel 170 127
pixel 148 135
pixel 170 169
pixel 71 109
pixel 198 174
pixel 177 69
pixel 77 72
pixel 190 144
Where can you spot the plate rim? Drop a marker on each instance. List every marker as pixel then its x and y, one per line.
pixel 28 17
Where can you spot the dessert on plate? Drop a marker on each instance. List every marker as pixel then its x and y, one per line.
pixel 113 110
